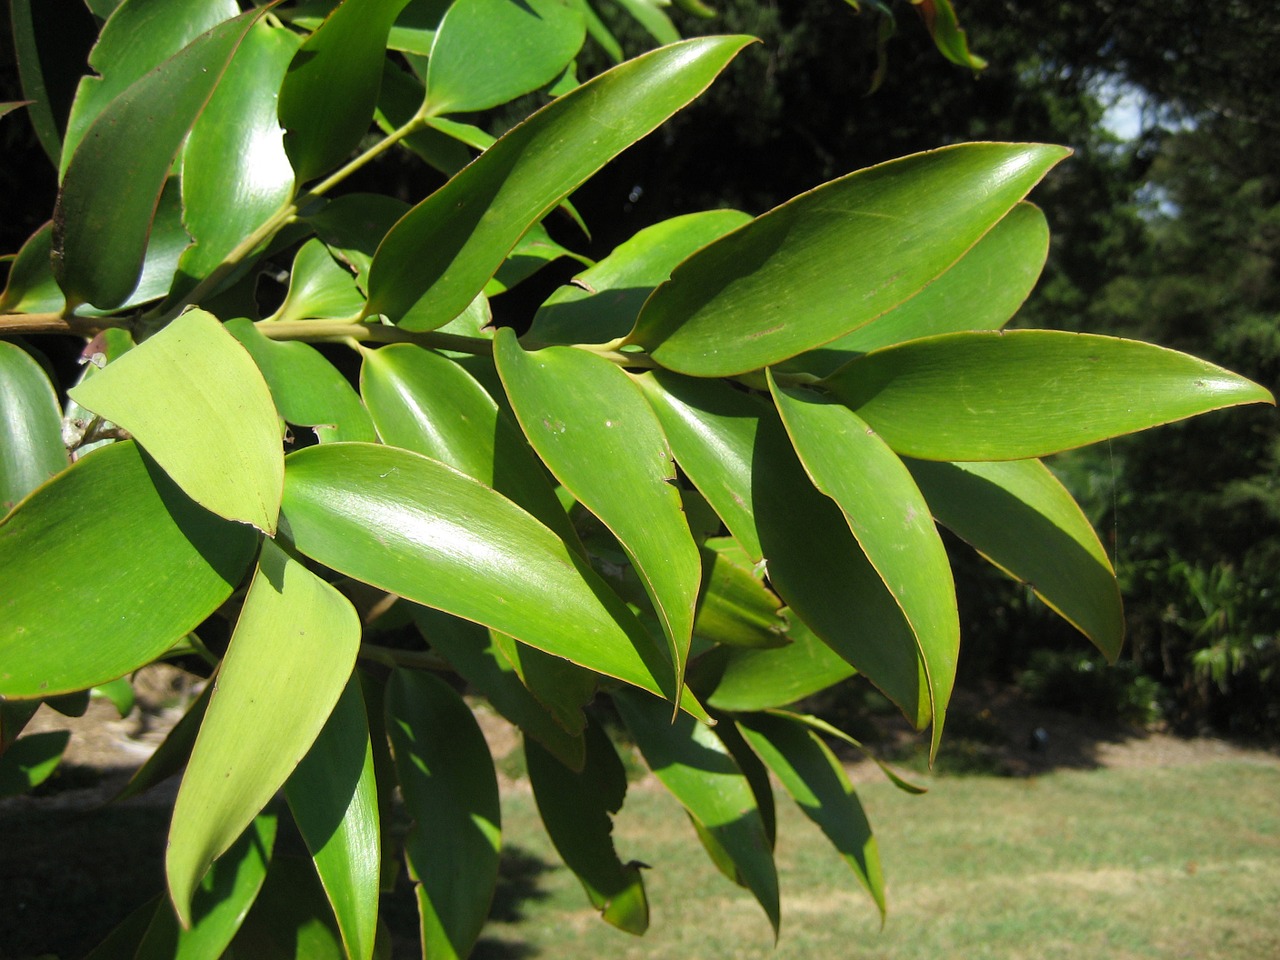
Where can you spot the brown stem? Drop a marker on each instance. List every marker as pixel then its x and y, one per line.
pixel 12 324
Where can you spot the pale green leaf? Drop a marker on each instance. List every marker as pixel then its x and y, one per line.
pixel 193 397
pixel 319 287
pixel 734 607
pixel 31 449
pixel 293 649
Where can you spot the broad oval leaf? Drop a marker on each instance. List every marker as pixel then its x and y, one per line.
pixel 1019 394
pixel 449 245
pixel 982 291
pixel 31 287
pixel 292 652
pixel 307 389
pixel 487 52
pixel 891 522
pixel 603 301
pixel 741 679
pixel 194 398
pixel 114 179
pixel 699 771
pixel 318 287
pixel 82 604
pixel 833 259
pixel 593 428
pixel 31 449
pixel 1019 516
pixel 420 529
pixel 577 809
pixel 816 780
pixel 334 799
pixel 328 95
pixel 451 792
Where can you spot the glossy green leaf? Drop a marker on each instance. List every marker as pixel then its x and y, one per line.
pixel 602 302
pixel 1020 517
pixel 535 250
pixel 577 809
pixel 940 19
pixel 307 389
pixel 891 522
pixel 327 98
pixel 735 450
pixel 429 404
pixel 734 607
pixel 816 780
pixel 30 760
pixel 31 287
pixel 174 751
pixel 834 259
pixel 194 398
pixel 293 649
pixel 593 428
pixel 981 292
pixel 114 179
pixel 334 800
pixel 353 225
pixel 420 529
pixel 449 246
pixel 487 52
pixel 451 791
pixel 471 650
pixel 1026 393
pixel 31 449
pixel 564 688
pixel 696 767
pixel 28 58
pixel 68 533
pixel 744 679
pixel 235 173
pixel 319 287
pixel 139 36
pixel 219 903
pixel 291 919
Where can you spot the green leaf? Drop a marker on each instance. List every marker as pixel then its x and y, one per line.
pixel 743 679
pixel 577 808
pixel 334 799
pixel 472 651
pixel 235 173
pixel 1021 394
pixel 940 18
pixel 114 179
pixel 174 394
pixel 31 449
pixel 218 904
pixel 487 52
pixel 292 651
pixel 172 754
pixel 833 259
pixel 981 292
pixel 290 919
pixel 451 791
pixel 139 37
pixel 353 225
pixel 31 287
pixel 891 522
pixel 697 768
pixel 734 607
pixel 28 58
pixel 307 389
pixel 14 715
pixel 564 688
pixel 449 245
pixel 319 287
pixel 429 404
pixel 30 760
pixel 816 780
pixel 649 14
pixel 119 692
pixel 1020 517
pixel 535 250
pixel 592 427
pixel 602 302
pixel 738 455
pixel 424 531
pixel 822 727
pixel 84 605
pixel 328 96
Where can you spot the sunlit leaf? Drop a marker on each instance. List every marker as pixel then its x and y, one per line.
pixel 1020 394
pixel 651 16
pixel 743 679
pixel 940 18
pixel 293 649
pixel 318 287
pixel 833 259
pixel 119 692
pixel 194 398
pixel 31 449
pixel 67 534
pixel 451 792
pixel 734 607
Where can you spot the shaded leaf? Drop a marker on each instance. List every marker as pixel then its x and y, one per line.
pixel 174 751
pixel 31 449
pixel 31 287
pixel 290 919
pixel 821 726
pixel 940 19
pixel 564 688
pixel 30 760
pixel 353 225
pixel 834 259
pixel 734 607
pixel 449 245
pixel 318 287
pixel 172 394
pixel 67 534
pixel 28 58
pixel 293 649
pixel 1026 393
pixel 451 792
pixel 650 15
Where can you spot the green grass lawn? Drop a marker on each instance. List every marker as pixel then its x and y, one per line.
pixel 1127 863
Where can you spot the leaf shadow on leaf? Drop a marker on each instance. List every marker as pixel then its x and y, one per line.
pixel 597 318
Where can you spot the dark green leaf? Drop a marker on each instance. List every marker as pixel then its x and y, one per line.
pixel 172 754
pixel 30 760
pixel 31 287
pixel 31 73
pixel 734 607
pixel 83 604
pixel 741 679
pixel 290 919
pixel 31 449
